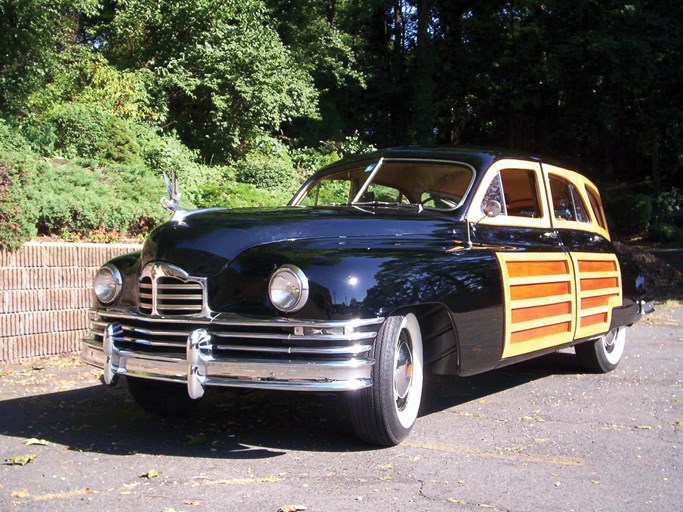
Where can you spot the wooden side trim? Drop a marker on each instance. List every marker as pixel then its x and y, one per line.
pixel 598 284
pixel 540 300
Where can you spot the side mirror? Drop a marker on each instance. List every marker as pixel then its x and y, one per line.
pixel 492 208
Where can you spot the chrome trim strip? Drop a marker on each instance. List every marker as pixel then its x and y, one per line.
pixel 298 337
pixel 227 319
pixel 353 350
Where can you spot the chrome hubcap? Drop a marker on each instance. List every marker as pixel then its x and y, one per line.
pixel 608 341
pixel 403 371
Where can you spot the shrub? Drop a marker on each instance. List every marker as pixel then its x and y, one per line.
pixel 629 215
pixel 665 233
pixel 666 204
pixel 120 145
pixel 17 212
pixel 268 172
pixel 80 129
pixel 233 194
pixel 11 139
pixel 75 202
pixel 267 166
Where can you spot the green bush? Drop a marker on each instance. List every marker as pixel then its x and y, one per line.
pixel 80 129
pixel 233 194
pixel 75 201
pixel 666 204
pixel 268 166
pixel 665 233
pixel 11 139
pixel 17 212
pixel 629 215
pixel 268 172
pixel 120 145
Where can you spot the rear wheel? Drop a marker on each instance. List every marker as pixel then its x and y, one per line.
pixel 603 354
pixel 384 414
pixel 161 398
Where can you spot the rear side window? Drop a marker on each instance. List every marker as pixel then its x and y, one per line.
pixel 596 204
pixel 567 202
pixel 517 192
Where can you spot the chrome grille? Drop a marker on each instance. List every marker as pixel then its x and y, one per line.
pixel 240 338
pixel 168 290
pixel 146 296
pixel 175 297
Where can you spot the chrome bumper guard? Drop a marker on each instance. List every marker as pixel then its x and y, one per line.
pixel 645 307
pixel 304 356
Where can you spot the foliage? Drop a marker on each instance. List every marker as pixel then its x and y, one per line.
pixel 39 50
pixel 218 65
pixel 665 233
pixel 666 204
pixel 17 213
pixel 266 91
pixel 232 194
pixel 268 166
pixel 628 214
pixel 79 200
pixel 11 139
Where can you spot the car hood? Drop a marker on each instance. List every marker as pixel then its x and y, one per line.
pixel 203 242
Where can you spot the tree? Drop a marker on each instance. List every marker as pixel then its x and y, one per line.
pixel 219 65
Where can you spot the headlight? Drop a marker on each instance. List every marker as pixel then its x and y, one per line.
pixel 288 288
pixel 107 283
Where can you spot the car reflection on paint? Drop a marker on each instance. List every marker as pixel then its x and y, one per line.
pixel 382 268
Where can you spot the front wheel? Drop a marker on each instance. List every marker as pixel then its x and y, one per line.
pixel 384 414
pixel 603 354
pixel 161 398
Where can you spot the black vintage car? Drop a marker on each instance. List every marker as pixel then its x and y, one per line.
pixel 382 268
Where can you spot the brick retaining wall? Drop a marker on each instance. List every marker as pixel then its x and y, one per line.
pixel 46 290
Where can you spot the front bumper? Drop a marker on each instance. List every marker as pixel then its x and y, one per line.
pixel 233 351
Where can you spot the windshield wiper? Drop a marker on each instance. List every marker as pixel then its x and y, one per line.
pixel 393 204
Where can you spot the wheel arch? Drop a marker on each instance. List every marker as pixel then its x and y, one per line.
pixel 439 336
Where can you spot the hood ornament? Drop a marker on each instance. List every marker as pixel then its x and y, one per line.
pixel 172 202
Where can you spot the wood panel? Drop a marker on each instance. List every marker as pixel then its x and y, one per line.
pixel 599 291
pixel 540 304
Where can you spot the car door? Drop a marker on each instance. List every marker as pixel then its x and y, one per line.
pixel 578 218
pixel 510 215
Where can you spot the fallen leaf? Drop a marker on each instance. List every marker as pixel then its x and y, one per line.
pixel 678 424
pixel 292 508
pixel 152 473
pixel 23 493
pixel 457 502
pixel 34 441
pixel 20 460
pixel 643 427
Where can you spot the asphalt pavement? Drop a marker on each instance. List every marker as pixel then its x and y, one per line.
pixel 537 436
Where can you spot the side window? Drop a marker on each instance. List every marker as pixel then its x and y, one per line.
pixel 596 204
pixel 495 193
pixel 567 202
pixel 517 192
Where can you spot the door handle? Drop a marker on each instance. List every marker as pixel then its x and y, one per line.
pixel 549 235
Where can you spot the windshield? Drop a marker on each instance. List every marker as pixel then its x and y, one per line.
pixel 429 184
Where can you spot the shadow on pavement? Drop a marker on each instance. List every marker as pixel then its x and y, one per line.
pixel 226 425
